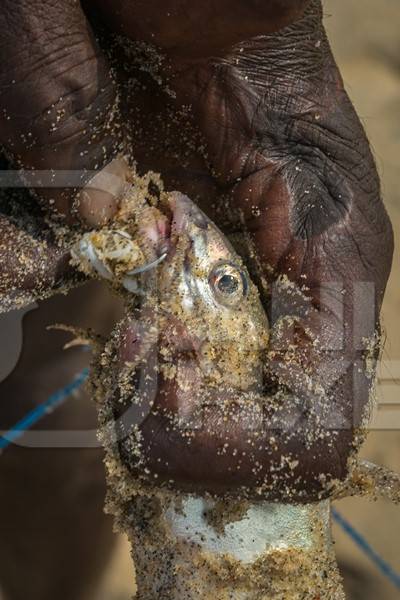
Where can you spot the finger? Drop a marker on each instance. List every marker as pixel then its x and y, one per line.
pixel 97 202
pixel 174 25
pixel 56 97
pixel 30 265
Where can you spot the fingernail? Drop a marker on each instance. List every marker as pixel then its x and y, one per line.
pixel 97 203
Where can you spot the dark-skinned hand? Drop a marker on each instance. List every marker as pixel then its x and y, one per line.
pixel 251 119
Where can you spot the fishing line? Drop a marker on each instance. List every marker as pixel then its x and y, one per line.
pixel 381 564
pixel 60 396
pixel 42 410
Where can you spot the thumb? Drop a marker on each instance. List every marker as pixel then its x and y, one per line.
pixel 57 100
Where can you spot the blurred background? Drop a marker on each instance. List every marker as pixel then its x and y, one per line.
pixel 365 36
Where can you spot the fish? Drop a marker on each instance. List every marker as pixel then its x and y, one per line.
pixel 204 292
pixel 186 364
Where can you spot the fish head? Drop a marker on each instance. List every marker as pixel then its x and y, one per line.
pixel 209 303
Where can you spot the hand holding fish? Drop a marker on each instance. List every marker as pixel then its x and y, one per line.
pixel 258 132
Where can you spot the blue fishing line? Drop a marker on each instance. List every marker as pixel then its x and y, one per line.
pixel 56 399
pixel 384 567
pixel 40 411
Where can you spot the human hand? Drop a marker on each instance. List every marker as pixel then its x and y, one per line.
pixel 282 144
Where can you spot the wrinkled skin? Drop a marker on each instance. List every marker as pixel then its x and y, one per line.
pixel 280 135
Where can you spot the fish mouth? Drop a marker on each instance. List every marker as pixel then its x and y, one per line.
pixel 163 232
pixel 185 212
pixel 175 222
pixel 178 213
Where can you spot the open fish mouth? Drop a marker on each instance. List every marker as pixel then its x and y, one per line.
pixel 124 253
pixel 137 244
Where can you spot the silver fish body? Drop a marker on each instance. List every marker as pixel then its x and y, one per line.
pixel 205 286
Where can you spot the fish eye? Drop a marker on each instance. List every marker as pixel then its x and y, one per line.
pixel 228 283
